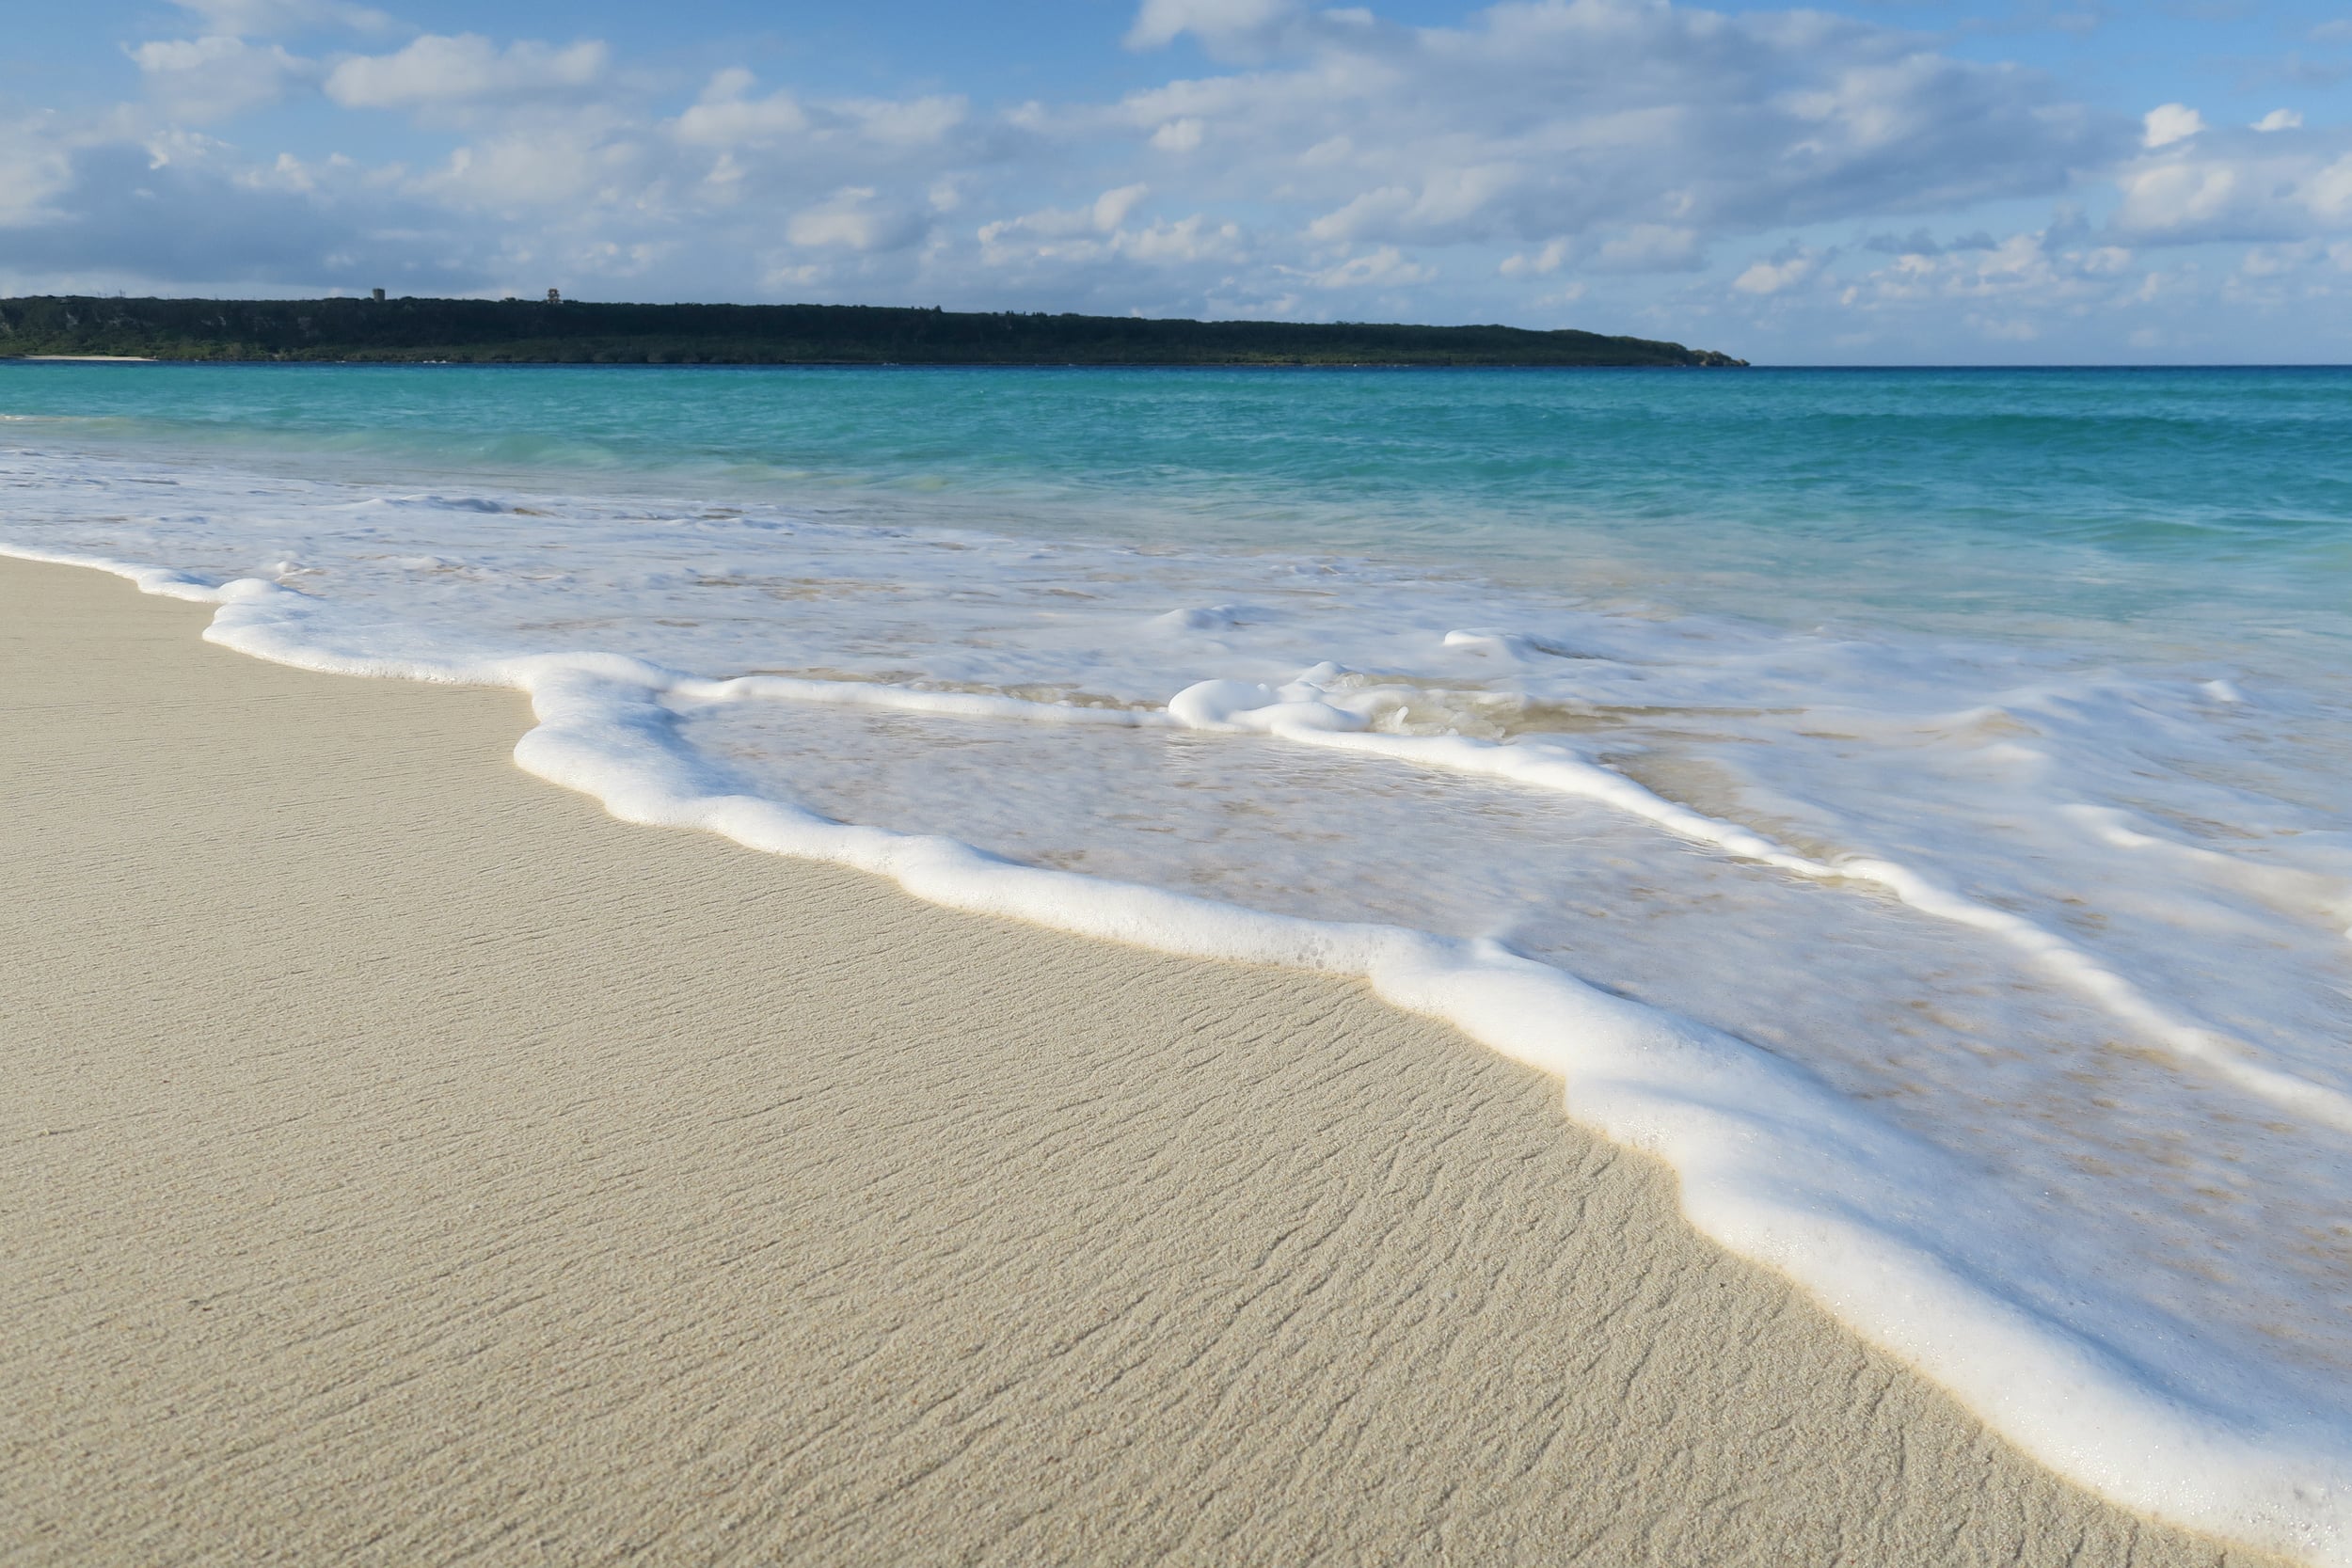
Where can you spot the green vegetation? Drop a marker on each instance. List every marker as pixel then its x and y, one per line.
pixel 531 332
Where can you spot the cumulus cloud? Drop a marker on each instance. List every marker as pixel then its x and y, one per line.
pixel 730 115
pixel 1179 135
pixel 1920 243
pixel 571 165
pixel 2284 185
pixel 36 167
pixel 1624 157
pixel 1783 271
pixel 1103 215
pixel 1537 264
pixel 182 208
pixel 218 76
pixel 1196 238
pixel 1112 208
pixel 2024 275
pixel 1548 118
pixel 1650 247
pixel 2177 198
pixel 437 70
pixel 249 18
pixel 1062 244
pixel 1214 22
pixel 2169 123
pixel 855 218
pixel 1383 268
pixel 2060 293
pixel 726 117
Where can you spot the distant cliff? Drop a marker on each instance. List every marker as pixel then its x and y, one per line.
pixel 534 332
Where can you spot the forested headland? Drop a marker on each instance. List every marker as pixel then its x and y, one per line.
pixel 479 331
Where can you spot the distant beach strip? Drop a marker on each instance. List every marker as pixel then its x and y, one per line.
pixel 473 331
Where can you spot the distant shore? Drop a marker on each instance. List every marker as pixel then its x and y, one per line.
pixel 475 331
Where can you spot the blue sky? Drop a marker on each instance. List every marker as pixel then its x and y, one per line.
pixel 1903 182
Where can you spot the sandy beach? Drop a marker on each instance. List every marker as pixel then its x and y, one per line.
pixel 407 1163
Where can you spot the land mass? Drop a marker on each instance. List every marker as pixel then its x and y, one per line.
pixel 476 331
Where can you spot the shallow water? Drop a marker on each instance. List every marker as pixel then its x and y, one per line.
pixel 1972 742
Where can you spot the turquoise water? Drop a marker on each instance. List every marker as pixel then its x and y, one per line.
pixel 1953 761
pixel 2211 502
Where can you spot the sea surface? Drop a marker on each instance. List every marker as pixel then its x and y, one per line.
pixel 1915 804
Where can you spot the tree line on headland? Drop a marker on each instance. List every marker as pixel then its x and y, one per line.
pixel 477 331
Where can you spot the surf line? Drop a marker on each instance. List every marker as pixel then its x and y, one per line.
pixel 1308 711
pixel 1770 1164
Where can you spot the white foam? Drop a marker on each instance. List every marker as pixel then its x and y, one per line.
pixel 1306 712
pixel 2004 801
pixel 957 704
pixel 1770 1165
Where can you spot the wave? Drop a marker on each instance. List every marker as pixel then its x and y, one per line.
pixel 1914 1248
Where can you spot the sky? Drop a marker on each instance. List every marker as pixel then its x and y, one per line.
pixel 1884 181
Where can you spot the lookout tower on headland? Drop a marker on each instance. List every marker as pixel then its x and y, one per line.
pixel 554 298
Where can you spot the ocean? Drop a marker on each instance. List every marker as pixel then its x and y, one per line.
pixel 1912 803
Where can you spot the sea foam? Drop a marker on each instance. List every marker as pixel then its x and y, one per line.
pixel 1962 811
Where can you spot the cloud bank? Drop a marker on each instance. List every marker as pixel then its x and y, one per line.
pixel 1791 177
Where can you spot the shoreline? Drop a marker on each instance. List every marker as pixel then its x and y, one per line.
pixel 465 1157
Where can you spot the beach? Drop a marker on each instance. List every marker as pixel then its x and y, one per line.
pixel 409 1164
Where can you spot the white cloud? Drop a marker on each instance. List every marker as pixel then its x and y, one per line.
pixel 1582 117
pixel 2176 197
pixel 1650 247
pixel 1214 21
pixel 248 18
pixel 2275 261
pixel 1187 240
pixel 724 117
pixel 2010 329
pixel 2282 185
pixel 1540 154
pixel 1178 136
pixel 2329 193
pixel 904 122
pixel 1781 272
pixel 217 76
pixel 854 218
pixel 1103 215
pixel 1536 264
pixel 36 166
pixel 1383 268
pixel 550 165
pixel 1054 240
pixel 290 173
pixel 465 68
pixel 1112 207
pixel 2039 273
pixel 727 117
pixel 2169 123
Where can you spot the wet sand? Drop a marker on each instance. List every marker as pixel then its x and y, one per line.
pixel 404 1163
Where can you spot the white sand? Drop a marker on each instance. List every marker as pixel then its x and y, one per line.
pixel 402 1163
